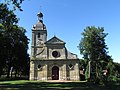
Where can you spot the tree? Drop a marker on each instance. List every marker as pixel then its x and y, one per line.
pixel 117 69
pixel 93 48
pixel 14 3
pixel 14 42
pixel 83 65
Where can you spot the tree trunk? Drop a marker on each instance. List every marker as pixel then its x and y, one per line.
pixel 96 70
pixel 15 73
pixel 9 69
pixel 89 67
pixel 8 72
pixel 0 71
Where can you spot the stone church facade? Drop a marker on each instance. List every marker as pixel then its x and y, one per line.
pixel 50 60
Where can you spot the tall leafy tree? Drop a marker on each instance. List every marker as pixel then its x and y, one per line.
pixel 93 48
pixel 14 42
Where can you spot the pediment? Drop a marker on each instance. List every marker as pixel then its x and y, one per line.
pixel 55 40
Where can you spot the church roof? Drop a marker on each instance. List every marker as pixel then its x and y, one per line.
pixel 55 40
pixel 38 26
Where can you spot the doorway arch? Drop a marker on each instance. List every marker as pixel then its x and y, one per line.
pixel 55 73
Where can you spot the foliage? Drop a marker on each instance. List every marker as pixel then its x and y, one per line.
pixel 83 65
pixel 92 45
pixel 14 42
pixel 94 49
pixel 117 69
pixel 14 3
pixel 114 75
pixel 87 72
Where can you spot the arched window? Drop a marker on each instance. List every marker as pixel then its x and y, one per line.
pixel 38 35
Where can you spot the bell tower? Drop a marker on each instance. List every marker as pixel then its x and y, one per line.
pixel 39 35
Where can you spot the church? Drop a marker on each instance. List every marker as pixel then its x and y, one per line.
pixel 50 59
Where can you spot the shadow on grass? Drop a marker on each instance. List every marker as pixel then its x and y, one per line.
pixel 14 79
pixel 36 85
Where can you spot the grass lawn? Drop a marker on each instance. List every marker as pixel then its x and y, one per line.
pixel 37 85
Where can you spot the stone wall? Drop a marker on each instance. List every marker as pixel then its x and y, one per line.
pixel 42 69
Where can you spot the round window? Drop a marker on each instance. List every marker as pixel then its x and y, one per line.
pixel 70 66
pixel 39 66
pixel 55 54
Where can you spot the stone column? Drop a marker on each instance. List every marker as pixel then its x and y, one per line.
pixel 77 72
pixel 64 72
pixel 45 72
pixel 31 77
pixel 33 49
pixel 33 37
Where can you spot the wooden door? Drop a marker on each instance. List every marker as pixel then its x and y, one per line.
pixel 55 73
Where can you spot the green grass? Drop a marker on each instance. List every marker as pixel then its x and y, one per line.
pixel 38 85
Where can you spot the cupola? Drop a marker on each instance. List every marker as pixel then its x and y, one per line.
pixel 39 25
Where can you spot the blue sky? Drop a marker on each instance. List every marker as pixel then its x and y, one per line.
pixel 68 18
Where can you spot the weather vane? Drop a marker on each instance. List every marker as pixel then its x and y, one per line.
pixel 40 15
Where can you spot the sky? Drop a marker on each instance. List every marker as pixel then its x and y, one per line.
pixel 67 19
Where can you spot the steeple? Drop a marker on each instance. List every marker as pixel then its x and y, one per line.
pixel 39 35
pixel 39 25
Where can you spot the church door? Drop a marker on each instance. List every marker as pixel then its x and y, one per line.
pixel 55 73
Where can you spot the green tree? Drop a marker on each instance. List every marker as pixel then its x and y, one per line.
pixel 14 42
pixel 14 3
pixel 117 69
pixel 93 48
